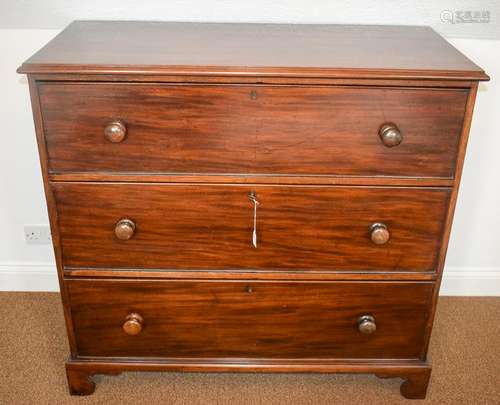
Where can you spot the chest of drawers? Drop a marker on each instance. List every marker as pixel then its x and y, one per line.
pixel 238 197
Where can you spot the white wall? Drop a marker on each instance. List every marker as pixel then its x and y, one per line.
pixel 473 265
pixel 55 14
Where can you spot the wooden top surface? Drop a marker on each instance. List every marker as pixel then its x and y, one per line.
pixel 337 51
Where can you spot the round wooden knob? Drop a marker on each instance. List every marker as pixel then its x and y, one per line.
pixel 379 234
pixel 115 131
pixel 390 135
pixel 366 324
pixel 124 229
pixel 133 324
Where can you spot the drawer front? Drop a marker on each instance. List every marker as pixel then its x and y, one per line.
pixel 249 319
pixel 211 226
pixel 251 129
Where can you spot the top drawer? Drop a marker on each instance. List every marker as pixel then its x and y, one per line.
pixel 237 129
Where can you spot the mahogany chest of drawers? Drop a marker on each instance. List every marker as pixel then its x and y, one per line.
pixel 238 197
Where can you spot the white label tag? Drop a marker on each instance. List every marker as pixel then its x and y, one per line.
pixel 253 198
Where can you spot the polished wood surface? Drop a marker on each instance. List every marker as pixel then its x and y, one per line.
pixel 252 49
pixel 186 78
pixel 415 374
pixel 453 201
pixel 111 177
pixel 51 208
pixel 279 130
pixel 254 274
pixel 245 319
pixel 210 227
pixel 220 205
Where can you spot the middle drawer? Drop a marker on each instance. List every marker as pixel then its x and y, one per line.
pixel 171 226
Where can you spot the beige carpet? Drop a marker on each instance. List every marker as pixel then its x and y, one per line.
pixel 465 352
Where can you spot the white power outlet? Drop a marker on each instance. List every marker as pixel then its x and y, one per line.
pixel 37 235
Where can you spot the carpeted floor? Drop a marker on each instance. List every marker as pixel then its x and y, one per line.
pixel 465 352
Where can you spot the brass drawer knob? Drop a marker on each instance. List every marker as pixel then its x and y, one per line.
pixel 125 229
pixel 115 131
pixel 133 324
pixel 390 135
pixel 366 324
pixel 379 233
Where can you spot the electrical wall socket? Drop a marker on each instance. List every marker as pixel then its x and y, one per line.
pixel 37 235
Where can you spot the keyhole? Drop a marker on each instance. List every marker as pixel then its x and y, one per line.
pixel 253 95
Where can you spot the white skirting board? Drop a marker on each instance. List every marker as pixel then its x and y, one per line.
pixel 457 281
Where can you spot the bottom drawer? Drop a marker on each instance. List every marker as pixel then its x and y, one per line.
pixel 249 319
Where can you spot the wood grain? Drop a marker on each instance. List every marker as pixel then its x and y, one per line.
pixel 248 79
pixel 251 129
pixel 210 227
pixel 251 274
pixel 203 115
pixel 110 177
pixel 51 208
pixel 252 49
pixel 415 374
pixel 464 138
pixel 249 319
